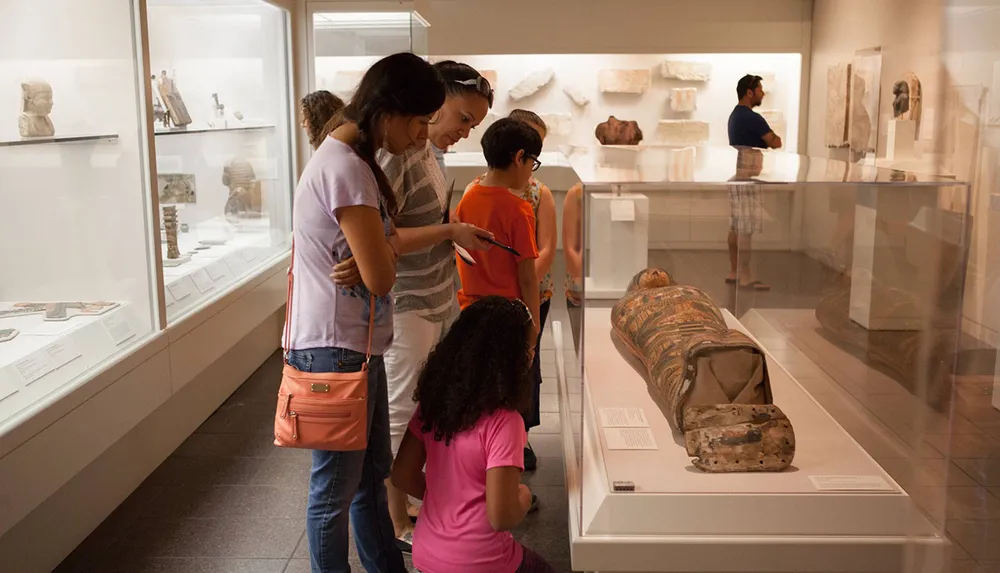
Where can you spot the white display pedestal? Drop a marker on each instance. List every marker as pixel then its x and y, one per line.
pixel 618 240
pixel 902 139
pixel 679 519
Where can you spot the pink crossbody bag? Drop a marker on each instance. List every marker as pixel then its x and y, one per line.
pixel 322 410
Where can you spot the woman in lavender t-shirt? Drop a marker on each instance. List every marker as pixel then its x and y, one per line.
pixel 343 208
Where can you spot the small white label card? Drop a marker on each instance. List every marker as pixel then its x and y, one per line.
pixel 622 210
pixel 8 383
pixel 34 366
pixel 850 483
pixel 61 353
pixel 218 270
pixel 202 280
pixel 629 439
pixel 623 418
pixel 181 289
pixel 118 329
pixel 248 255
pixel 168 298
pixel 236 264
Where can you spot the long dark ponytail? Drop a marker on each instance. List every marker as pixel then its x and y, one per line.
pixel 400 84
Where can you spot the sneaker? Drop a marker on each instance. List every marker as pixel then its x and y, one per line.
pixel 530 459
pixel 534 504
pixel 405 542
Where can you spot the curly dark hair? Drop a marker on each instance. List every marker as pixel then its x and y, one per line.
pixel 318 108
pixel 482 365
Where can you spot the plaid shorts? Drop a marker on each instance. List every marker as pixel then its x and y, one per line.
pixel 745 209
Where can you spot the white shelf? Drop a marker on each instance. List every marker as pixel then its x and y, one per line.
pixel 79 138
pixel 46 355
pixel 682 519
pixel 190 129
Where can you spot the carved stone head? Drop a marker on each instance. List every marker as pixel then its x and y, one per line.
pixel 901 99
pixel 36 97
pixel 617 132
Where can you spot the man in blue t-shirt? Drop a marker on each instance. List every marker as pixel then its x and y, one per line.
pixel 747 127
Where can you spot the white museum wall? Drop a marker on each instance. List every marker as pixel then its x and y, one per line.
pixel 229 51
pixel 74 214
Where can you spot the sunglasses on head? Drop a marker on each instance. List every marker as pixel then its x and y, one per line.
pixel 482 86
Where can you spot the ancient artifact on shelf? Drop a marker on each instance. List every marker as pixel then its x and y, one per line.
pixel 170 226
pixel 709 381
pixel 8 334
pixel 244 190
pixel 906 98
pixel 220 108
pixel 491 76
pixel 530 85
pixel 179 115
pixel 863 122
pixel 176 188
pixel 617 132
pixel 728 438
pixel 776 120
pixel 682 131
pixel 686 71
pixel 59 311
pixel 558 124
pixel 624 81
pixel 681 164
pixel 838 98
pixel 684 99
pixel 36 105
pixel 577 96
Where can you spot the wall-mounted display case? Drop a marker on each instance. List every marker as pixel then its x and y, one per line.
pixel 779 396
pixel 220 78
pixel 76 290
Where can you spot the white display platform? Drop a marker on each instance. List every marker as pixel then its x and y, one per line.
pixel 212 269
pixel 902 140
pixel 46 355
pixel 680 519
pixel 619 242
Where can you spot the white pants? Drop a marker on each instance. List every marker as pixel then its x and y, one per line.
pixel 413 339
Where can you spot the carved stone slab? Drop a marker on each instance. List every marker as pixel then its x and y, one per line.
pixel 681 164
pixel 530 85
pixel 624 81
pixel 491 76
pixel 837 104
pixel 776 119
pixel 684 99
pixel 739 438
pixel 577 96
pixel 558 123
pixel 682 131
pixel 687 71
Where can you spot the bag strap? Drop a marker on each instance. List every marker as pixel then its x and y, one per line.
pixel 288 314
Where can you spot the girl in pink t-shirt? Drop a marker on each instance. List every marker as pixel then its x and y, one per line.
pixel 468 433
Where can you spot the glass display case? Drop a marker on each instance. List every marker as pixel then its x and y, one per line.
pixel 777 396
pixel 76 287
pixel 220 80
pixel 346 42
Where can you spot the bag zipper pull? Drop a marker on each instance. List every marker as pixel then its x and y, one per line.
pixel 288 405
pixel 295 425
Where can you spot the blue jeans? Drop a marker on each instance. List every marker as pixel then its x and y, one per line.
pixel 353 481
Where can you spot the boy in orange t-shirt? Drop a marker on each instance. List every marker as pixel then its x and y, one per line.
pixel 511 148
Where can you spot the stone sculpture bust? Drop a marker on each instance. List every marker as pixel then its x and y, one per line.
pixel 36 104
pixel 906 98
pixel 901 99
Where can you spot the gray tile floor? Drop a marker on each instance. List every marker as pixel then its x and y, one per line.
pixel 227 500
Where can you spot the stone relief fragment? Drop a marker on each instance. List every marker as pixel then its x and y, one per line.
pixel 36 105
pixel 577 96
pixel 624 81
pixel 686 71
pixel 682 131
pixel 530 85
pixel 838 78
pixel 559 124
pixel 684 99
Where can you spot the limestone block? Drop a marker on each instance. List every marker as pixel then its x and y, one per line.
pixel 687 71
pixel 345 82
pixel 767 79
pixel 576 95
pixel 681 164
pixel 558 123
pixel 491 76
pixel 684 99
pixel 682 131
pixel 837 104
pixel 530 85
pixel 624 81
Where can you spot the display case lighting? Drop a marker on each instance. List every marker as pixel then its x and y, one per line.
pixel 362 20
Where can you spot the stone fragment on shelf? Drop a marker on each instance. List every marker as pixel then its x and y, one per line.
pixel 681 164
pixel 36 105
pixel 684 99
pixel 776 120
pixel 838 104
pixel 558 123
pixel 624 81
pixel 577 96
pixel 491 76
pixel 617 132
pixel 170 226
pixel 682 131
pixel 728 438
pixel 530 85
pixel 686 71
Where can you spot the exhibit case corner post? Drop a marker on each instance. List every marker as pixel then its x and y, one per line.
pixel 763 333
pixel 347 38
pixel 220 77
pixel 76 290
